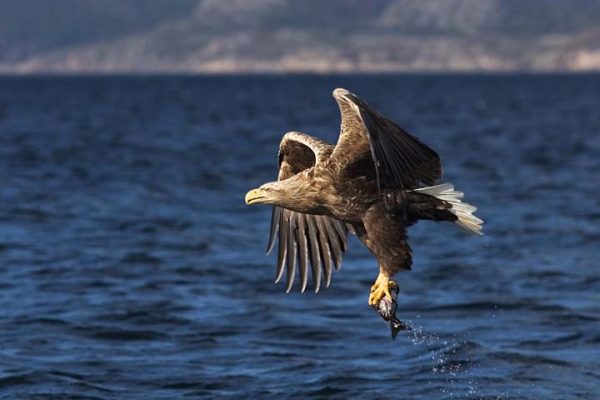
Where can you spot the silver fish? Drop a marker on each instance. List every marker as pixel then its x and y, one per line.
pixel 387 310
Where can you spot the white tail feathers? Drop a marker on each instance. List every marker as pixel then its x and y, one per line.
pixel 464 211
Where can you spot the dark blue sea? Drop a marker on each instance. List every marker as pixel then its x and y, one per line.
pixel 130 267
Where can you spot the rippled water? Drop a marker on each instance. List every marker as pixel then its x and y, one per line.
pixel 131 268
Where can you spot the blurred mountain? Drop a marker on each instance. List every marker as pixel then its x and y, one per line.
pixel 38 36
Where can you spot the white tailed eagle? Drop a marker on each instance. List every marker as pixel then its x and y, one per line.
pixel 375 182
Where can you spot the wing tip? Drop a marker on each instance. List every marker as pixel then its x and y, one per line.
pixel 340 92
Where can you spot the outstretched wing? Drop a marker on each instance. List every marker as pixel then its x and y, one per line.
pixel 303 238
pixel 400 159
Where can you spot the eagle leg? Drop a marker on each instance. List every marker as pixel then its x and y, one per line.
pixel 381 289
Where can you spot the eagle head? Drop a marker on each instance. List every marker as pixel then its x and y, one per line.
pixel 269 193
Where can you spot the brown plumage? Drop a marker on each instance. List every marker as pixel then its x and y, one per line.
pixel 375 182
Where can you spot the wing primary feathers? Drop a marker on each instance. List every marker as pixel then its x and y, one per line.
pixel 283 239
pixel 291 252
pixel 400 159
pixel 315 257
pixel 342 232
pixel 325 250
pixel 302 252
pixel 334 243
pixel 274 228
pixel 403 159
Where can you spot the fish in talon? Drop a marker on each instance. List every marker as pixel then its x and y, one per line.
pixel 387 310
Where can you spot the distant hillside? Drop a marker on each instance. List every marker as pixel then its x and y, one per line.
pixel 38 36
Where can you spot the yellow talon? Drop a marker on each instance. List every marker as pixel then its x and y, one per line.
pixel 380 289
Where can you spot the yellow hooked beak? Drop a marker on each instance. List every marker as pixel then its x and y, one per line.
pixel 254 196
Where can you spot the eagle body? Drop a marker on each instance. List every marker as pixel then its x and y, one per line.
pixel 320 191
pixel 375 182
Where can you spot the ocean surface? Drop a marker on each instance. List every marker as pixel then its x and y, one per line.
pixel 130 267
